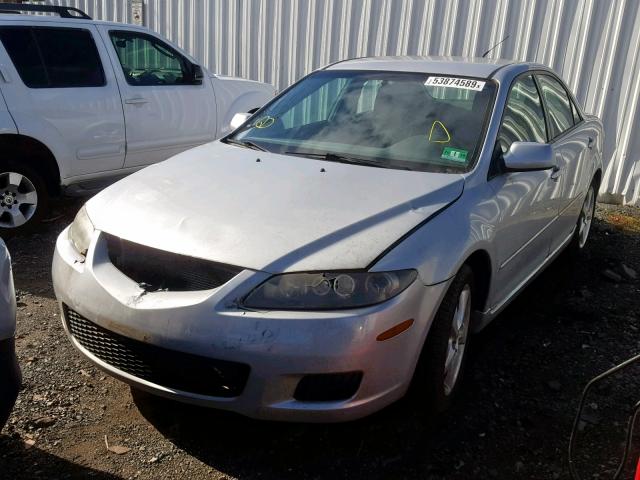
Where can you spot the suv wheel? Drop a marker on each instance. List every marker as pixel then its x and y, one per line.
pixel 23 198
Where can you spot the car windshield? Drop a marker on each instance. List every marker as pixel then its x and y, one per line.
pixel 410 121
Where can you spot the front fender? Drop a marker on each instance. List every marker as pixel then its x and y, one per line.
pixel 441 246
pixel 235 95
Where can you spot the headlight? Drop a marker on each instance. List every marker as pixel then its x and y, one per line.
pixel 81 231
pixel 328 291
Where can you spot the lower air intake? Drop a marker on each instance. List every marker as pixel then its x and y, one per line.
pixel 168 368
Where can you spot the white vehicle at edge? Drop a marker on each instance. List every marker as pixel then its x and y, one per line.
pixel 338 246
pixel 10 377
pixel 85 102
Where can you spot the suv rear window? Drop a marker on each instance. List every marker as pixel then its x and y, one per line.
pixel 47 57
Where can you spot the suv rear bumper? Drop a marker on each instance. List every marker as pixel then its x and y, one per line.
pixel 10 378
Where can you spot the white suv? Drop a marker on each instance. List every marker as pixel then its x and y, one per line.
pixel 85 102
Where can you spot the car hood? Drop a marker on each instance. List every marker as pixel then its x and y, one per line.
pixel 270 212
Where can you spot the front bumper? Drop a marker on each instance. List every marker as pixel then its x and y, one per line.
pixel 10 378
pixel 279 347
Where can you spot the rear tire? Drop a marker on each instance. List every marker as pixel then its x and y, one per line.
pixel 441 366
pixel 24 198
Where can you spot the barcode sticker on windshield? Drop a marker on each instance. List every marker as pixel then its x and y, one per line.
pixel 453 82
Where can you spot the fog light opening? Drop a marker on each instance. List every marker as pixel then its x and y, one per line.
pixel 328 387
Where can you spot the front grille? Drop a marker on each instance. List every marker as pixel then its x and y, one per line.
pixel 156 270
pixel 168 368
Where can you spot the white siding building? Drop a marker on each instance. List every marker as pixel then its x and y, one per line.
pixel 593 44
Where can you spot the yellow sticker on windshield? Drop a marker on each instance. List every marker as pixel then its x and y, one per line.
pixel 264 122
pixel 438 135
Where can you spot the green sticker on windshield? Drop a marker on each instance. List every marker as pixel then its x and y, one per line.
pixel 454 154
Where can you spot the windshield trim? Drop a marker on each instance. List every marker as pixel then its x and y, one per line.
pixel 488 115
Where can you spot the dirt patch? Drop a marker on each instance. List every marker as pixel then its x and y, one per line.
pixel 622 221
pixel 512 421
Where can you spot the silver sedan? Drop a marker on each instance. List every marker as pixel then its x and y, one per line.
pixel 340 245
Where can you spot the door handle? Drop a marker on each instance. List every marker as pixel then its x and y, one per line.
pixel 590 142
pixel 555 173
pixel 136 101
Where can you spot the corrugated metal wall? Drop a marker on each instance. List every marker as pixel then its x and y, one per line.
pixel 593 44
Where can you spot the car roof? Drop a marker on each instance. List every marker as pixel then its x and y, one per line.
pixel 464 66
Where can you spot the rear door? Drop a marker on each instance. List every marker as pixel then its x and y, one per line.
pixel 166 112
pixel 525 200
pixel 570 140
pixel 58 92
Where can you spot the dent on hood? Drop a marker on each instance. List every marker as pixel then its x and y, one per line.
pixel 217 203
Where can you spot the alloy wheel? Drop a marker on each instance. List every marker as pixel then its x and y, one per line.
pixel 18 200
pixel 586 218
pixel 456 345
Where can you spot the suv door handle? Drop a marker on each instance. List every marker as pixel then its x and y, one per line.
pixel 136 101
pixel 590 142
pixel 555 173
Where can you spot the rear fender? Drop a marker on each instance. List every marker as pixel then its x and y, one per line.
pixel 7 125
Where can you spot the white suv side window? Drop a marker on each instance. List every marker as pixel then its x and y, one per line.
pixel 147 61
pixel 53 57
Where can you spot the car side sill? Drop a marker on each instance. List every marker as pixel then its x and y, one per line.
pixel 484 318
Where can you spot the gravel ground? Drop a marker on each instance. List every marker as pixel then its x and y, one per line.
pixel 512 421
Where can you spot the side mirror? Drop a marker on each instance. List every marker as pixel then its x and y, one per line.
pixel 197 75
pixel 238 119
pixel 528 156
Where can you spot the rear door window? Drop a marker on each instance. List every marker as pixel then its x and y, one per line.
pixel 52 57
pixel 558 105
pixel 576 113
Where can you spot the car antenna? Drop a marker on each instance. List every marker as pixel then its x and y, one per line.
pixel 487 52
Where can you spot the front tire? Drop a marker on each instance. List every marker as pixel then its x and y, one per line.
pixel 23 198
pixel 441 365
pixel 585 219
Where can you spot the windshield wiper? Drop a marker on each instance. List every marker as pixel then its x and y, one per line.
pixel 334 157
pixel 245 144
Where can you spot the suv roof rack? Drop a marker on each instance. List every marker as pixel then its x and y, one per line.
pixel 64 12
